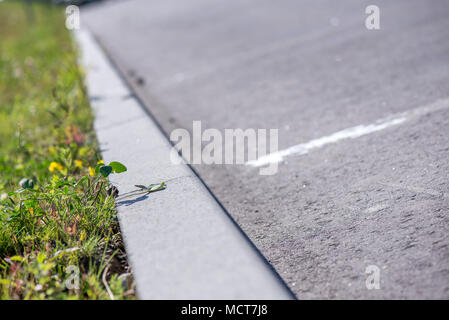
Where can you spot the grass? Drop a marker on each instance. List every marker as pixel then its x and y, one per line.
pixel 57 214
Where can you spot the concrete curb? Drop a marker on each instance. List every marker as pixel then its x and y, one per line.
pixel 180 242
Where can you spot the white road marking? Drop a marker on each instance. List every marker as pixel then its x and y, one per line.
pixel 350 133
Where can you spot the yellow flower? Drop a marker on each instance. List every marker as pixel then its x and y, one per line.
pixel 78 163
pixel 101 161
pixel 55 166
pixel 91 171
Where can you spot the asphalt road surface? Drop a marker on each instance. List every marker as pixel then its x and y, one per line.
pixel 311 69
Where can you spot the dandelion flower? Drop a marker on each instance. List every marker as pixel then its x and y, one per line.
pixel 91 171
pixel 100 162
pixel 78 163
pixel 55 166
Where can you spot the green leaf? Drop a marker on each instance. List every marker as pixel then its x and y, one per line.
pixel 117 167
pixel 105 171
pixel 16 258
pixel 26 183
pixel 156 187
pixel 7 282
pixel 41 257
pixel 97 167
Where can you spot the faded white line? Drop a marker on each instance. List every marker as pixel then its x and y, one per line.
pixel 350 133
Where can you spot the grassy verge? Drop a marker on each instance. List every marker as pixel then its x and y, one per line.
pixel 57 215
